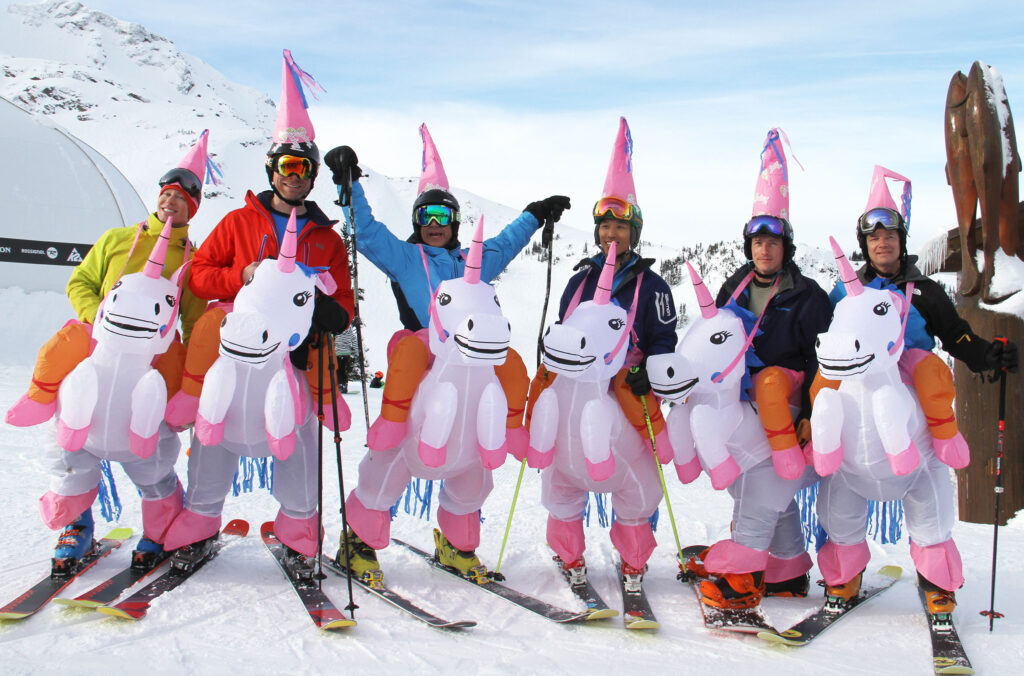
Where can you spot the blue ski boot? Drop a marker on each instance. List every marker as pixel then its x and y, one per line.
pixel 75 541
pixel 147 554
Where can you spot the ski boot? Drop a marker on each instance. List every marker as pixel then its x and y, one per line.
pixel 575 572
pixel 147 554
pixel 733 590
pixel 299 566
pixel 940 603
pixel 692 565
pixel 186 558
pixel 362 559
pixel 837 596
pixel 466 564
pixel 632 578
pixel 794 587
pixel 74 543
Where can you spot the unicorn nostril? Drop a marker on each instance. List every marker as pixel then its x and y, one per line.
pixel 265 336
pixel 470 324
pixel 671 372
pixel 156 309
pixel 817 343
pixel 856 345
pixel 583 342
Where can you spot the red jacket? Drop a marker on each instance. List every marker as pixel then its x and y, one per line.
pixel 247 235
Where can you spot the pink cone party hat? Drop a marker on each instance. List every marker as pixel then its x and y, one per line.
pixel 619 180
pixel 476 254
pixel 432 172
pixel 881 197
pixel 196 162
pixel 771 194
pixel 293 124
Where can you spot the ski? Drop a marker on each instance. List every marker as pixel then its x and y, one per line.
pixel 740 620
pixel 948 654
pixel 813 625
pixel 597 609
pixel 399 601
pixel 520 599
pixel 47 588
pixel 321 609
pixel 636 608
pixel 113 587
pixel 137 605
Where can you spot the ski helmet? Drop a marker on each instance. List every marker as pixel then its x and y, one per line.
pixel 437 196
pixel 618 209
pixel 305 149
pixel 769 225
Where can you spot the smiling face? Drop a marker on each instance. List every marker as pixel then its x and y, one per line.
pixel 292 188
pixel 172 204
pixel 613 230
pixel 766 253
pixel 578 347
pixel 469 316
pixel 884 251
pixel 436 235
pixel 136 313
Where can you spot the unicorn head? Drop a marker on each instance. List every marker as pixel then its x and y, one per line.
pixel 139 313
pixel 274 309
pixel 467 325
pixel 590 344
pixel 866 333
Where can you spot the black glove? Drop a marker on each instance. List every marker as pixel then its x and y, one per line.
pixel 638 381
pixel 999 356
pixel 342 161
pixel 551 207
pixel 328 315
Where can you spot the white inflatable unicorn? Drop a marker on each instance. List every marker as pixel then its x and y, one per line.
pixel 871 440
pixel 580 436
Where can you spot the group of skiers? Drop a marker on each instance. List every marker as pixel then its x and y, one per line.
pixel 428 364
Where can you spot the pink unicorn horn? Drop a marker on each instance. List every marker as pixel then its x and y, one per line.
pixel 155 264
pixel 286 254
pixel 476 250
pixel 846 271
pixel 708 309
pixel 603 292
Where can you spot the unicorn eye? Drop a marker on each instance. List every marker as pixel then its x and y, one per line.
pixel 170 300
pixel 301 298
pixel 443 299
pixel 720 337
pixel 616 324
pixel 882 309
pixel 116 284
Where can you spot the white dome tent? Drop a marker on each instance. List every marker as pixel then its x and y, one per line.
pixel 60 195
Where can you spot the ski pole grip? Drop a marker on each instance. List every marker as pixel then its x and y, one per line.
pixel 548 234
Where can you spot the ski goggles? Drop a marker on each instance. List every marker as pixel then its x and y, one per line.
pixel 286 165
pixel 441 214
pixel 617 208
pixel 768 225
pixel 185 179
pixel 879 217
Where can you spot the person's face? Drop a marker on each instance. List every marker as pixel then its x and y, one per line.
pixel 292 187
pixel 433 234
pixel 172 204
pixel 613 230
pixel 884 250
pixel 766 252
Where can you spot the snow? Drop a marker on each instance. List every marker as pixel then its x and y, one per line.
pixel 239 612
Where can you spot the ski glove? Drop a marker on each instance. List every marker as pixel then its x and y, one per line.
pixel 342 160
pixel 1001 356
pixel 638 381
pixel 328 315
pixel 551 207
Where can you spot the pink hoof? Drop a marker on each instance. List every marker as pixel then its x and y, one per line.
pixel 839 563
pixel 373 526
pixel 26 412
pixel 789 463
pixel 493 459
pixel 690 471
pixel 939 564
pixel 189 527
pixel 158 515
pixel 344 417
pixel 181 410
pixel 600 471
pixel 723 475
pixel 663 446
pixel 385 434
pixel 905 461
pixel 539 459
pixel 284 447
pixel 827 463
pixel 69 439
pixel 953 451
pixel 58 511
pixel 518 440
pixel 728 556
pixel 142 447
pixel 299 534
pixel 432 457
pixel 566 538
pixel 208 433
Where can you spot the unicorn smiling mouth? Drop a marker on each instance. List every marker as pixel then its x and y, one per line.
pixel 245 353
pixel 685 387
pixel 476 351
pixel 570 361
pixel 845 367
pixel 130 327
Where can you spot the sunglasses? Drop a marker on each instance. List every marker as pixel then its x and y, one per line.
pixel 286 165
pixel 614 207
pixel 879 217
pixel 440 214
pixel 185 179
pixel 768 225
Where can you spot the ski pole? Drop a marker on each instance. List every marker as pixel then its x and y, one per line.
pixel 346 200
pixel 320 462
pixel 991 612
pixel 547 240
pixel 661 472
pixel 496 575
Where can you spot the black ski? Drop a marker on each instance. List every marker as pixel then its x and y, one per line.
pixel 47 588
pixel 597 609
pixel 321 609
pixel 948 654
pixel 740 620
pixel 399 601
pixel 137 605
pixel 520 599
pixel 114 586
pixel 636 608
pixel 813 625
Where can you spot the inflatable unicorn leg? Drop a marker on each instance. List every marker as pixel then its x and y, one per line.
pixel 462 530
pixel 728 556
pixel 203 346
pixel 373 526
pixel 458 511
pixel 633 408
pixel 566 538
pixel 933 382
pixel 780 570
pixel 516 384
pixel 939 564
pixel 300 534
pixel 841 563
pixel 407 364
pixel 159 514
pixel 773 387
pixel 210 472
pixel 635 542
pixel 189 527
pixel 58 510
pixel 56 358
pixel 787 557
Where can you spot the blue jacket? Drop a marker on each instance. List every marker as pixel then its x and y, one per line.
pixel 401 261
pixel 655 322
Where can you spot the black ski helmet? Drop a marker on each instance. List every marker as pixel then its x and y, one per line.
pixel 901 231
pixel 304 149
pixel 788 247
pixel 437 196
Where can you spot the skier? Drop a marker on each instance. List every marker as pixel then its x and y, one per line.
pixel 119 251
pixel 640 291
pixel 765 553
pixel 224 263
pixel 378 379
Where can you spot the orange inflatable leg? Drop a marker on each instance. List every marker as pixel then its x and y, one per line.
pixel 934 384
pixel 541 381
pixel 821 382
pixel 313 374
pixel 516 383
pixel 171 365
pixel 57 357
pixel 634 408
pixel 772 387
pixel 203 347
pixel 406 368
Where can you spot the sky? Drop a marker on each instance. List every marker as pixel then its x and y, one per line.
pixel 523 98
